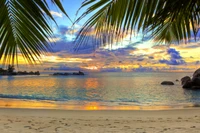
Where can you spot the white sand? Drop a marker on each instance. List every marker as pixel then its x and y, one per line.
pixel 62 121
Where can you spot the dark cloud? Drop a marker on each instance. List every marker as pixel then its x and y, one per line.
pixel 173 53
pixel 123 51
pixel 85 49
pixel 151 57
pixel 175 58
pixel 63 68
pixel 140 59
pixel 68 47
pixel 63 45
pixel 172 62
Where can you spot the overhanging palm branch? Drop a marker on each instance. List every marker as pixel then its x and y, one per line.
pixel 24 29
pixel 177 21
pixel 164 20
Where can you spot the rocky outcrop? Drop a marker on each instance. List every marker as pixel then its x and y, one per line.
pixel 196 81
pixel 186 82
pixel 66 74
pixel 167 83
pixel 79 73
pixel 193 83
pixel 196 73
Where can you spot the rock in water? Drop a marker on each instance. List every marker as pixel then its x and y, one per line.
pixel 167 83
pixel 195 88
pixel 196 81
pixel 187 84
pixel 196 74
pixel 185 80
pixel 193 83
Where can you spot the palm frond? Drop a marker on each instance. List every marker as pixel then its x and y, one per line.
pixel 165 20
pixel 24 29
pixel 176 21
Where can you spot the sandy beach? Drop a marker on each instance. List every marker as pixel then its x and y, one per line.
pixel 64 121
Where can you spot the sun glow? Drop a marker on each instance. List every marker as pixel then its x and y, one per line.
pixel 91 68
pixel 59 59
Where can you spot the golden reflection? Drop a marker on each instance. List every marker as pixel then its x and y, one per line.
pixel 25 104
pixel 91 83
pixel 93 106
pixel 10 103
pixel 36 82
pixel 73 82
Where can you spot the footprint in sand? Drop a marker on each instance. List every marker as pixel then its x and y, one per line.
pixel 165 129
pixel 151 127
pixel 53 121
pixel 179 128
pixel 127 127
pixel 28 127
pixel 57 128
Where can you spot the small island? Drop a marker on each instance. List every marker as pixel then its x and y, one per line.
pixel 66 74
pixel 10 72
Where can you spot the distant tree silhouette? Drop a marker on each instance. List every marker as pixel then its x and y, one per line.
pixel 11 68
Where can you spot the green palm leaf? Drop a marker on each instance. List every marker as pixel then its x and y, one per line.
pixel 24 29
pixel 177 21
pixel 164 20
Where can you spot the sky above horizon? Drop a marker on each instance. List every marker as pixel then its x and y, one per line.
pixel 138 54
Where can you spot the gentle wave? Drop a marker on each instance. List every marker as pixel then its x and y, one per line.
pixel 32 97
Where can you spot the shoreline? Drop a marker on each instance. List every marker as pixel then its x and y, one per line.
pixel 85 105
pixel 60 121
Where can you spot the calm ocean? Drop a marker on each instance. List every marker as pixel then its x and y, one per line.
pixel 97 91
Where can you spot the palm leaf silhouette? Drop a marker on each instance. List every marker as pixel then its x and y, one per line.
pixel 24 29
pixel 164 20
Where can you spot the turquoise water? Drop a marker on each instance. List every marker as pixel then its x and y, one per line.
pixel 100 89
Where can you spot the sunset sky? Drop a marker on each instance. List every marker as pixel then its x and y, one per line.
pixel 138 54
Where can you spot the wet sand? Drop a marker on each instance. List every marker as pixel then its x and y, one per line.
pixel 63 121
